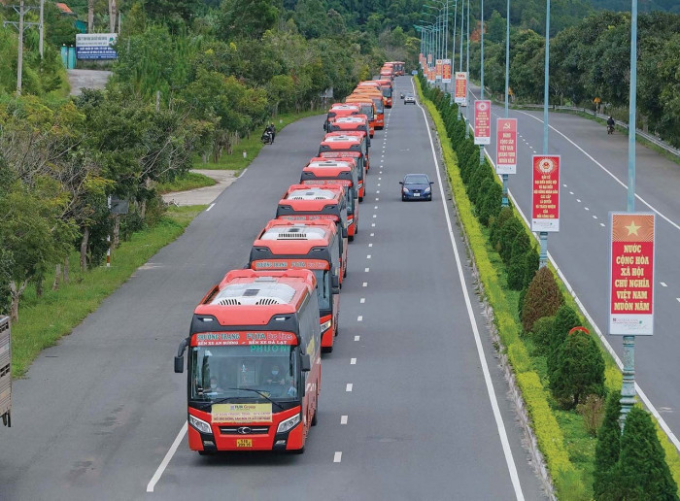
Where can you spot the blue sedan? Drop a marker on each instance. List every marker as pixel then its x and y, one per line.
pixel 416 187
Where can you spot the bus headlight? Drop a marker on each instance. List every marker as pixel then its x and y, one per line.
pixel 288 424
pixel 326 325
pixel 200 425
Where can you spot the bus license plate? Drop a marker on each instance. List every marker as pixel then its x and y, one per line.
pixel 244 443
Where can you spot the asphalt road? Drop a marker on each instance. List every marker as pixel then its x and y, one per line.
pixel 594 182
pixel 98 413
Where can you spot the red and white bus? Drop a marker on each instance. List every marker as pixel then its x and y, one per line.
pixel 358 159
pixel 340 110
pixel 387 89
pixel 312 203
pixel 342 171
pixel 254 365
pixel 350 137
pixel 310 245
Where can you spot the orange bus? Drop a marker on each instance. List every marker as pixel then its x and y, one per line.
pixel 367 108
pixel 312 203
pixel 309 245
pixel 375 95
pixel 360 135
pixel 340 110
pixel 354 122
pixel 387 89
pixel 342 171
pixel 254 365
pixel 346 143
pixel 399 68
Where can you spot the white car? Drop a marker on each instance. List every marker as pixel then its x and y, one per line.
pixel 410 99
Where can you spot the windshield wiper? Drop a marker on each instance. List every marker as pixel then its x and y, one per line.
pixel 259 393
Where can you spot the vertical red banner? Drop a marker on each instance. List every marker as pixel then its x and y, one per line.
pixel 506 146
pixel 446 71
pixel 545 207
pixel 461 87
pixel 631 273
pixel 438 69
pixel 482 122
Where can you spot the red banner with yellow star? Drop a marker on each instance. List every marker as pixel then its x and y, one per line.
pixel 631 273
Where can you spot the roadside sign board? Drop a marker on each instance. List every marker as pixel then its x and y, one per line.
pixel 461 87
pixel 631 273
pixel 506 146
pixel 482 122
pixel 438 69
pixel 429 59
pixel 446 71
pixel 96 45
pixel 545 208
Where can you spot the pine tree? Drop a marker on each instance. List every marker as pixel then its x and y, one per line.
pixel 517 267
pixel 490 205
pixel 608 449
pixel 542 300
pixel 565 320
pixel 542 331
pixel 578 370
pixel 511 228
pixel 532 261
pixel 495 234
pixel 642 472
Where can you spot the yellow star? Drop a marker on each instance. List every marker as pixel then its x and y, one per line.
pixel 632 228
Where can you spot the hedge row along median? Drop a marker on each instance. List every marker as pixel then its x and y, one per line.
pixel 565 421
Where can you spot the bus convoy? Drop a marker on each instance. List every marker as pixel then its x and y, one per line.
pixel 254 346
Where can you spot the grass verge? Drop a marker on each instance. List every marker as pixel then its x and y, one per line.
pixel 43 320
pixel 188 181
pixel 550 436
pixel 561 434
pixel 252 145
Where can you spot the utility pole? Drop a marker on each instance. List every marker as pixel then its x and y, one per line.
pixel 504 199
pixel 628 387
pixel 42 28
pixel 481 92
pixel 20 9
pixel 543 235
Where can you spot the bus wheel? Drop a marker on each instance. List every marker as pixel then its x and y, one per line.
pixel 206 453
pixel 298 451
pixel 327 349
pixel 350 238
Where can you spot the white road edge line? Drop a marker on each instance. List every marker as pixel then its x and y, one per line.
pixel 166 460
pixel 512 468
pixel 211 206
pixel 643 396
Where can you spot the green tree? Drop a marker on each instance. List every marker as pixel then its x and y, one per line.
pixel 642 472
pixel 565 320
pixel 543 298
pixel 311 18
pixel 608 450
pixel 247 18
pixel 579 370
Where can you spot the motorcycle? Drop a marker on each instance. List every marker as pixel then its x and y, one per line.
pixel 401 96
pixel 610 129
pixel 266 137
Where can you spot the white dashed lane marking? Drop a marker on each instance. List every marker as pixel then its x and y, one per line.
pixel 337 457
pixel 357 338
pixel 353 361
pixel 349 387
pixel 663 284
pixel 360 318
pixel 362 300
pixel 343 419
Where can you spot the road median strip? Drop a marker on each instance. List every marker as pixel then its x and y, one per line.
pixel 560 434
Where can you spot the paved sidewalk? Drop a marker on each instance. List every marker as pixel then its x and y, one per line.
pixel 207 195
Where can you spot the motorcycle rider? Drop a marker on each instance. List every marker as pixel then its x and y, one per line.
pixel 610 123
pixel 272 130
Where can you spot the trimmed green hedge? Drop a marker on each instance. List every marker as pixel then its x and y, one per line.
pixel 546 427
pixel 568 479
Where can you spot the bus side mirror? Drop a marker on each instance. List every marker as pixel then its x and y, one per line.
pixel 401 182
pixel 305 363
pixel 179 359
pixel 335 285
pixel 344 233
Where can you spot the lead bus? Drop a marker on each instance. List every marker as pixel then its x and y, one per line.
pixel 5 372
pixel 313 203
pixel 342 171
pixel 254 364
pixel 309 245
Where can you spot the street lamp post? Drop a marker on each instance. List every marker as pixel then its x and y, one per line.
pixel 628 387
pixel 467 69
pixel 481 92
pixel 504 200
pixel 543 235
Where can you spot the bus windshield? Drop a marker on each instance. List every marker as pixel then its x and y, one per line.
pixel 232 372
pixel 387 91
pixel 323 288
